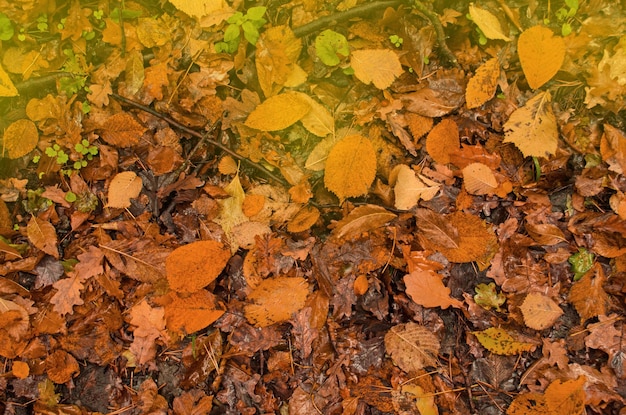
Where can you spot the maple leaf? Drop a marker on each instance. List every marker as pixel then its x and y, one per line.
pixel 426 288
pixel 378 66
pixel 350 167
pixel 541 54
pixel 532 128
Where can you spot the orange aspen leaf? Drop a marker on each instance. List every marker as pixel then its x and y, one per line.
pixel 124 186
pixel 275 300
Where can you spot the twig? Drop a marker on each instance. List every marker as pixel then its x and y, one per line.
pixel 441 36
pixel 194 133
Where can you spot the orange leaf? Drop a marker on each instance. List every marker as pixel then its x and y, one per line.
pixel 276 299
pixel 61 366
pixel 278 112
pixel 124 186
pixel 304 219
pixel 122 130
pixel 149 322
pixel 187 315
pixel 613 148
pixel 362 219
pixel 482 86
pixel 68 294
pixel 540 311
pixel 20 370
pixel 560 398
pixel 541 54
pixel 545 233
pixel 20 138
pixel 588 296
pixel 442 140
pixel 277 52
pixel 426 289
pixel 350 167
pixel 378 66
pixel 43 235
pixel 412 346
pixel 479 179
pixel 194 266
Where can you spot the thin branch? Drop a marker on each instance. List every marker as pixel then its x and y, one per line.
pixel 441 36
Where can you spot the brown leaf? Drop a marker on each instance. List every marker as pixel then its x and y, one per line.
pixel 436 230
pixel 61 367
pixel 121 130
pixel 588 296
pixel 350 167
pixel 194 266
pixel 412 346
pixel 68 294
pixel 613 148
pixel 149 323
pixel 276 299
pixel 20 138
pixel 442 140
pixel 43 235
pixel 545 233
pixel 362 219
pixel 304 219
pixel 541 54
pixel 426 289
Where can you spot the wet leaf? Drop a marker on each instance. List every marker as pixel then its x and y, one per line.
pixel 426 288
pixel 482 86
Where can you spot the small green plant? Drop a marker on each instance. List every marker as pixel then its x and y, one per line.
pixel 249 24
pixel 57 152
pixel 581 262
pixel 396 40
pixel 565 16
pixel 84 153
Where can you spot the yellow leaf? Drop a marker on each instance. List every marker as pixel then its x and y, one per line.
pixel 482 86
pixel 279 112
pixel 377 66
pixel 191 267
pixel 20 138
pixel 350 167
pixel 276 299
pixel 409 189
pixel 541 54
pixel 7 89
pixel 200 8
pixel 317 158
pixel 412 346
pixel 318 120
pixel 498 341
pixel 560 398
pixel 487 22
pixel 479 179
pixel 532 128
pixel 124 186
pixel 540 311
pixel 277 52
pixel 231 212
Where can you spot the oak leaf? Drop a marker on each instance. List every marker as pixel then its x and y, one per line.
pixel 378 66
pixel 487 22
pixel 279 112
pixel 412 346
pixel 482 86
pixel 43 235
pixel 426 288
pixel 121 130
pixel 362 219
pixel 275 300
pixel 191 267
pixel 149 323
pixel 189 314
pixel 613 148
pixel 540 311
pixel 541 54
pixel 442 140
pixel 532 128
pixel 68 293
pixel 499 341
pixel 20 138
pixel 479 179
pixel 350 167
pixel 124 186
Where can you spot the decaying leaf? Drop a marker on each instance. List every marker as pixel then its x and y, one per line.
pixel 479 179
pixel 540 311
pixel 562 397
pixel 482 86
pixel 194 266
pixel 43 235
pixel 378 66
pixel 122 130
pixel 362 219
pixel 124 186
pixel 541 54
pixel 412 346
pixel 20 138
pixel 413 397
pixel 442 140
pixel 588 295
pixel 409 189
pixel 532 128
pixel 277 52
pixel 279 112
pixel 350 167
pixel 426 288
pixel 275 300
pixel 499 341
pixel 487 22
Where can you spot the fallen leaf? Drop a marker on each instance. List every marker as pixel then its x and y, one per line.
pixel 487 22
pixel 409 189
pixel 350 167
pixel 426 289
pixel 275 300
pixel 317 158
pixel 362 219
pixel 411 397
pixel 20 138
pixel 331 47
pixel 304 219
pixel 613 148
pixel 443 140
pixel 61 366
pixel 7 89
pixel 191 313
pixel 532 128
pixel 20 369
pixel 318 120
pixel 378 66
pixel 412 346
pixel 560 398
pixel 482 86
pixel 68 294
pixel 479 179
pixel 588 295
pixel 540 311
pixel 279 112
pixel 43 235
pixel 277 52
pixel 541 54
pixel 121 130
pixel 499 341
pixel 200 8
pixel 191 267
pixel 124 186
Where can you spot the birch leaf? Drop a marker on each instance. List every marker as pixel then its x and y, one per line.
pixel 350 167
pixel 482 86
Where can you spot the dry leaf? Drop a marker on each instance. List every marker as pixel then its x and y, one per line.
pixel 479 179
pixel 482 86
pixel 275 300
pixel 540 311
pixel 304 219
pixel 318 120
pixel 193 266
pixel 588 296
pixel 613 148
pixel 189 314
pixel 541 54
pixel 20 369
pixel 317 158
pixel 350 167
pixel 378 66
pixel 409 189
pixel 277 52
pixel 7 89
pixel 487 22
pixel 498 341
pixel 122 130
pixel 43 235
pixel 532 128
pixel 279 112
pixel 412 346
pixel 228 165
pixel 68 294
pixel 200 8
pixel 20 138
pixel 362 219
pixel 418 125
pixel 426 289
pixel 560 398
pixel 442 140
pixel 124 186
